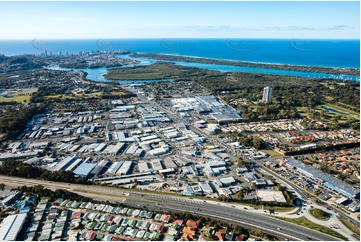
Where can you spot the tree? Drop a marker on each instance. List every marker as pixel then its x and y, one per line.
pixel 241 162
pixel 258 143
pixel 18 168
pixel 12 122
pixel 202 220
pixel 239 230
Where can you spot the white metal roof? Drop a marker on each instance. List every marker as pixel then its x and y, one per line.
pixel 11 226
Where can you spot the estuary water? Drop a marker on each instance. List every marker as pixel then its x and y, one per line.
pixel 97 74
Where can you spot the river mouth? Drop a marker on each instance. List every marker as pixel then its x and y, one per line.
pixel 97 74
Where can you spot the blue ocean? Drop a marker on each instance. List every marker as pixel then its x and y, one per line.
pixel 328 53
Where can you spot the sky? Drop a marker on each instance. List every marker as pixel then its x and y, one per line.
pixel 93 20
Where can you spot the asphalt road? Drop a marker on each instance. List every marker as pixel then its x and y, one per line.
pixel 266 223
pixel 302 192
pixel 281 229
pixel 233 152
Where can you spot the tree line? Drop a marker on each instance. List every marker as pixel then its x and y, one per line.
pixel 20 169
pixel 13 121
pixel 53 195
pixel 248 140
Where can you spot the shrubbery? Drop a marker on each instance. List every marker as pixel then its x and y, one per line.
pixel 19 169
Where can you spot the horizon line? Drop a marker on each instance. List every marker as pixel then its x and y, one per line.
pixel 189 38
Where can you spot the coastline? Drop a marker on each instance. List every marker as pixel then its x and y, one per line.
pixel 314 69
pixel 252 62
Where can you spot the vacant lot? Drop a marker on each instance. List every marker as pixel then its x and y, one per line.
pixel 19 99
pixel 272 152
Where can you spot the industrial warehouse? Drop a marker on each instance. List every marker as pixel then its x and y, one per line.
pixel 217 110
pixel 327 180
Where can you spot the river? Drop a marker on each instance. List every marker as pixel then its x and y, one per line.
pixel 97 74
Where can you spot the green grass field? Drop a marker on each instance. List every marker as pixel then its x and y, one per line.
pixel 307 223
pixel 339 109
pixel 351 226
pixel 302 111
pixel 19 96
pixel 118 93
pixel 76 96
pixel 353 114
pixel 319 214
pixel 275 208
pixel 19 99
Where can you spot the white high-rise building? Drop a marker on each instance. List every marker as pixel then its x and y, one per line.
pixel 267 94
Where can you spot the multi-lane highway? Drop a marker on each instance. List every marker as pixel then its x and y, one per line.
pixel 266 223
pixel 281 229
pixel 235 153
pixel 153 201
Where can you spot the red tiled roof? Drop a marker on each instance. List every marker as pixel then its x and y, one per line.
pixel 345 152
pixel 188 233
pixel 159 227
pixel 165 218
pixel 76 215
pixel 117 239
pixel 192 224
pixel 220 235
pixel 179 222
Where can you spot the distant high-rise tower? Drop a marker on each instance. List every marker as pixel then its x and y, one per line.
pixel 267 94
